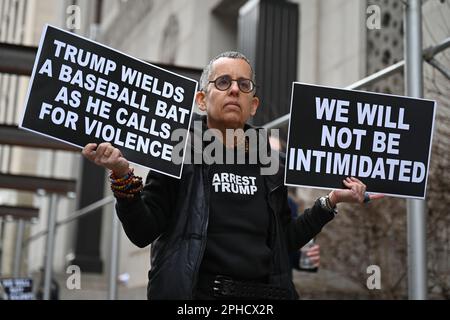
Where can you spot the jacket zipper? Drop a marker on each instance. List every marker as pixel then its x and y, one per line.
pixel 204 230
pixel 275 218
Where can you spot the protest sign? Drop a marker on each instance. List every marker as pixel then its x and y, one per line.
pixel 384 140
pixel 17 289
pixel 82 91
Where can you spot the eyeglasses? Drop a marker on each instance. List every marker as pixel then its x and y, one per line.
pixel 222 83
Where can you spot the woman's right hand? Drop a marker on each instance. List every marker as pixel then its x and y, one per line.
pixel 107 156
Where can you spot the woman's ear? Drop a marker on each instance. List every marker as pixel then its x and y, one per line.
pixel 255 105
pixel 200 100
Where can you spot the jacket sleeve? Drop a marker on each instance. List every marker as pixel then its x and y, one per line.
pixel 302 229
pixel 146 217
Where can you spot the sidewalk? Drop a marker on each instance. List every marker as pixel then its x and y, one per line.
pixel 327 285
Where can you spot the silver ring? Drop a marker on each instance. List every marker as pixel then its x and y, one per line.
pixel 366 197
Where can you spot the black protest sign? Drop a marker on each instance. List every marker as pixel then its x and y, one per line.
pixel 384 140
pixel 17 289
pixel 82 91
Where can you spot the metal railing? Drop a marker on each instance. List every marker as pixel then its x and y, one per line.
pixel 53 224
pixel 428 55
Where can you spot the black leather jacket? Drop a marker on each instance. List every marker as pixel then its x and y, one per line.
pixel 172 215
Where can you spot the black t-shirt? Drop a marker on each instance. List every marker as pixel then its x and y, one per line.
pixel 238 223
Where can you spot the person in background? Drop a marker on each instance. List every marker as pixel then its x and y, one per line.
pixel 313 251
pixel 54 287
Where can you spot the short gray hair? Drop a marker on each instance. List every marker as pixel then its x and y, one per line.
pixel 204 79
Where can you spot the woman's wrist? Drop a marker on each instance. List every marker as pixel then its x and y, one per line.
pixel 332 199
pixel 119 173
pixel 126 186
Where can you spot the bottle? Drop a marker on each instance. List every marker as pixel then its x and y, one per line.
pixel 305 263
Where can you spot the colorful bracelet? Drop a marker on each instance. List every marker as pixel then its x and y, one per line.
pixel 136 182
pixel 121 180
pixel 121 195
pixel 128 195
pixel 126 187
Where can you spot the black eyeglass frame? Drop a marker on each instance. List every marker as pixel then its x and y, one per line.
pixel 253 85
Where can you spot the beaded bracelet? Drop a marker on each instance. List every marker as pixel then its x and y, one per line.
pixel 127 186
pixel 128 195
pixel 122 195
pixel 134 182
pixel 122 180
